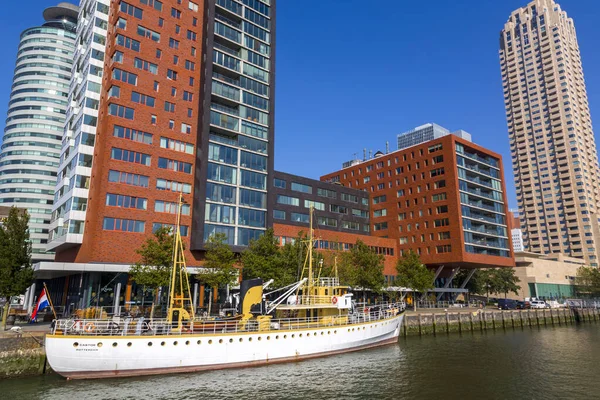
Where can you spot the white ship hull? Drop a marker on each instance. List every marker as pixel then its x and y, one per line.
pixel 83 356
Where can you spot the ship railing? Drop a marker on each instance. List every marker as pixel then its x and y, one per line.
pixel 314 300
pixel 152 327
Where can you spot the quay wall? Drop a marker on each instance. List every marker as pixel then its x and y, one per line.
pixel 433 323
pixel 22 356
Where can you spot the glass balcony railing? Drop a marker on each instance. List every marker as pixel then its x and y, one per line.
pixel 231 6
pixel 224 121
pixel 229 33
pixel 224 108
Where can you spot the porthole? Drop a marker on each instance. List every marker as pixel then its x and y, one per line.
pixel 220 340
pixel 285 336
pixel 129 344
pixel 307 334
pixel 276 337
pixel 210 341
pixel 249 339
pixel 300 335
pixel 352 329
pixel 335 332
pixel 175 343
pixel 230 340
pixel 268 337
pixel 149 344
pixel 259 338
pixel 241 340
pixel 99 344
pixel 199 341
pixel 348 329
pixel 315 334
pixel 364 328
pixel 162 343
pixel 187 342
pixel 75 344
pixel 293 335
pixel 329 332
pixel 322 333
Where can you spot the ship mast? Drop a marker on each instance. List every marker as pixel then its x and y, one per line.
pixel 310 251
pixel 179 276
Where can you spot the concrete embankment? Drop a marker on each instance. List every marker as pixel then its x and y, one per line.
pixel 22 356
pixel 428 323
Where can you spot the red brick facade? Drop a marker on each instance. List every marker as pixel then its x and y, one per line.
pixel 416 196
pixel 105 246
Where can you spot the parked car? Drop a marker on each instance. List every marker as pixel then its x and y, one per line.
pixel 507 304
pixel 555 304
pixel 539 304
pixel 523 305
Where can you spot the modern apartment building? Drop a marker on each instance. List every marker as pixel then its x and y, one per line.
pixel 425 133
pixel 445 199
pixel 31 145
pixel 169 97
pixel 551 139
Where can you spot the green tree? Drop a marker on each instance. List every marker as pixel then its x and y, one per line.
pixel 263 259
pixel 153 270
pixel 489 282
pixel 362 267
pixel 587 282
pixel 219 267
pixel 475 284
pixel 16 272
pixel 506 281
pixel 412 273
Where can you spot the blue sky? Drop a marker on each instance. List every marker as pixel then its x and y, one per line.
pixel 353 74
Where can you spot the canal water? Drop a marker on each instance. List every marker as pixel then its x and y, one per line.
pixel 544 363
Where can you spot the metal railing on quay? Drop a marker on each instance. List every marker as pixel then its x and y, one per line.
pixel 127 326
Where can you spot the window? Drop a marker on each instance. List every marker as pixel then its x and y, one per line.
pixel 171 208
pixel 349 197
pixel 121 23
pixel 128 178
pixel 316 204
pixel 438 197
pixel 191 35
pixel 148 33
pixel 114 91
pixel 277 214
pixel 153 3
pixel 125 225
pixel 142 99
pixel 380 226
pixel 124 76
pixel 176 145
pixel 437 172
pixel 118 200
pixel 174 165
pixel 298 217
pixel 130 156
pixel 441 222
pixel 279 183
pixel 350 225
pixel 298 187
pixel 380 213
pixel 128 43
pixel 441 209
pixel 171 74
pixel 132 134
pixel 121 111
pixel 169 107
pixel 327 221
pixel 145 65
pixel 443 235
pixel 338 209
pixel 326 193
pixel 131 10
pixel 173 186
pixel 379 199
pixel 185 128
pixel 435 147
pixel 446 248
pixel 290 201
pixel 183 230
pixel 360 213
pixel 188 96
pixel 175 13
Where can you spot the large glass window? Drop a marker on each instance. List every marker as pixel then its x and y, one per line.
pixel 118 200
pixel 300 217
pixel 174 165
pixel 130 156
pixel 246 235
pixel 221 173
pixel 224 154
pixel 253 180
pixel 128 178
pixel 299 187
pixel 125 225
pixel 254 218
pixel 251 198
pixel 253 161
pixel 219 213
pixel 290 201
pixel 220 193
pixel 316 204
pixel 228 231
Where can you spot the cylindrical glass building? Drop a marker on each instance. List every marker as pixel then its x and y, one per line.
pixel 30 151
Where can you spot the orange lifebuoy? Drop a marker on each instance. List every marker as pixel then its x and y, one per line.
pixel 334 300
pixel 89 327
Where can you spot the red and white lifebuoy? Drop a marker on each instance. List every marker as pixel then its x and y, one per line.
pixel 334 300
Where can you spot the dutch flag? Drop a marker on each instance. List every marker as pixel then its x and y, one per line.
pixel 40 305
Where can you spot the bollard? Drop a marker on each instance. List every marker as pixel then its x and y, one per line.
pixel 459 322
pixel 447 322
pixel 512 319
pixel 420 326
pixel 551 316
pixel 537 318
pixel 471 320
pixel 433 322
pixel 503 321
pixel 494 320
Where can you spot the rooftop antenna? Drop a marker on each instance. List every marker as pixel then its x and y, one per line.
pixel 365 154
pixel 370 154
pixel 387 147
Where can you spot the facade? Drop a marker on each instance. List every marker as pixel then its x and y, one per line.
pixel 425 133
pixel 554 156
pixel 547 277
pixel 445 199
pixel 79 136
pixel 336 207
pixel 517 240
pixel 183 92
pixel 31 145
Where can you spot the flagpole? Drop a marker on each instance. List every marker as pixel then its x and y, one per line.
pixel 50 300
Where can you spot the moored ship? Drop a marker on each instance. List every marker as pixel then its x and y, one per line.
pixel 312 318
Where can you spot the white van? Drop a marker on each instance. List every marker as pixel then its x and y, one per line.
pixel 538 304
